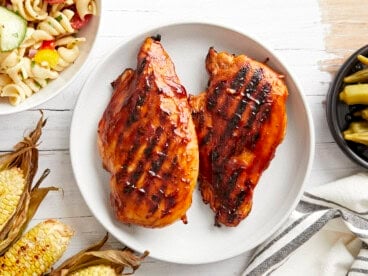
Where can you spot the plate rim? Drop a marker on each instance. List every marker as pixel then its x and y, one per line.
pixel 309 119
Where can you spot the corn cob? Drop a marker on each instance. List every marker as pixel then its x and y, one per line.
pixel 94 261
pixel 12 184
pixel 19 201
pixel 37 250
pixel 96 270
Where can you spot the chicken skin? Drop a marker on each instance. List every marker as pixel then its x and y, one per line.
pixel 240 120
pixel 147 141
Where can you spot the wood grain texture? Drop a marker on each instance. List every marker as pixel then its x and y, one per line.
pixel 295 31
pixel 346 30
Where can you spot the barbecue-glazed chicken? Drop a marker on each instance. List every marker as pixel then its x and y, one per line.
pixel 240 120
pixel 147 141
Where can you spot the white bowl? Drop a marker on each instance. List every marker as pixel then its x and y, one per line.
pixel 56 86
pixel 199 241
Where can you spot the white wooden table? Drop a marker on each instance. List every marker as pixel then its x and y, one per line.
pixel 293 29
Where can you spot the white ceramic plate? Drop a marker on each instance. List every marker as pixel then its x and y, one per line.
pixel 66 77
pixel 199 241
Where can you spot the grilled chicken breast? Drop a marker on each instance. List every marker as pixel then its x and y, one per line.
pixel 147 141
pixel 240 120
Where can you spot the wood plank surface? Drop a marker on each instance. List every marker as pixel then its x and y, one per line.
pixel 311 37
pixel 347 27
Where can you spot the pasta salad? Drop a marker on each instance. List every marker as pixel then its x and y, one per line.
pixel 48 46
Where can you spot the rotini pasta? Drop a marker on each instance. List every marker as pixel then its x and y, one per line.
pixel 9 59
pixel 85 7
pixel 30 10
pixel 68 51
pixel 58 24
pixel 24 78
pixel 4 80
pixel 34 37
pixel 58 7
pixel 67 57
pixel 16 93
pixel 49 46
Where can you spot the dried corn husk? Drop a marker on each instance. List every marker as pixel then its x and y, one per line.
pixel 118 259
pixel 25 158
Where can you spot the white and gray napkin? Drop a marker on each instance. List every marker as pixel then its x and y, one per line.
pixel 326 206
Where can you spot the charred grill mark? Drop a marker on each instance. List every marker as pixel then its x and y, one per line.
pixel 261 110
pixel 140 100
pixel 160 195
pixel 232 215
pixel 214 155
pixel 264 92
pixel 232 180
pixel 217 176
pixel 235 84
pixel 139 133
pixel 129 183
pixel 212 99
pixel 134 175
pixel 254 81
pixel 156 165
pixel 260 115
pixel 238 81
pixel 266 113
pixel 170 203
pixel 132 118
pixel 157 180
pixel 153 172
pixel 134 115
pixel 250 90
pixel 264 116
pixel 246 191
pixel 226 190
pixel 255 96
pixel 154 206
pixel 234 121
pixel 254 139
pixel 137 173
pixel 223 110
pixel 141 66
pixel 154 140
pixel 239 199
pixel 207 137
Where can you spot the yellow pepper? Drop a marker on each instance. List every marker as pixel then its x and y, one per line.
pixel 363 59
pixel 50 56
pixel 355 94
pixel 357 132
pixel 360 76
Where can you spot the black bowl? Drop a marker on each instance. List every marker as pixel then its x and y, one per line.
pixel 339 114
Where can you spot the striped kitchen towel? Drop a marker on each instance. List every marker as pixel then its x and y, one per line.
pixel 346 200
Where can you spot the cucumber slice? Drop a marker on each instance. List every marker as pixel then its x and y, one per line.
pixel 12 29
